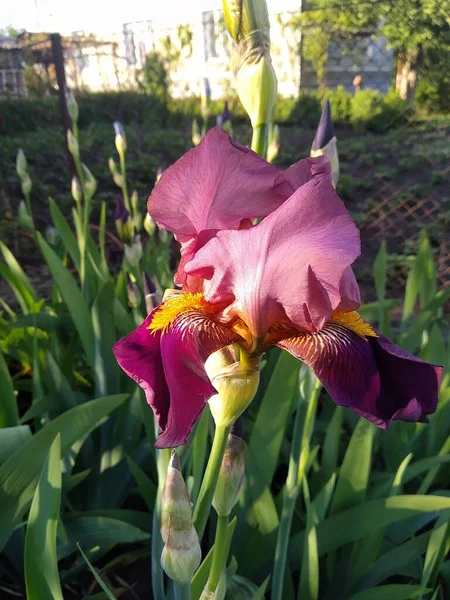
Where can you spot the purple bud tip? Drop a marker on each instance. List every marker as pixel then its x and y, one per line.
pixel 207 88
pixel 149 285
pixel 121 213
pixel 226 114
pixel 119 129
pixel 325 131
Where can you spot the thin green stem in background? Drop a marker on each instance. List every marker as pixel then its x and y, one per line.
pixel 205 496
pixel 296 472
pixel 123 171
pixel 259 139
pixel 220 555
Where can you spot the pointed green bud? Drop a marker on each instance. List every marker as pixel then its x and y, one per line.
pixel 117 177
pixel 21 163
pixel 72 144
pixel 26 184
pixel 235 382
pixel 77 193
pixel 149 225
pixel 72 106
pixel 90 183
pixel 196 135
pixel 120 139
pixel 181 555
pixel 256 85
pixel 23 217
pixel 231 476
pixel 273 146
pixel 244 18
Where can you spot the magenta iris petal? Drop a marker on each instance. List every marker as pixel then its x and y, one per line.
pixel 288 266
pixel 373 377
pixel 170 369
pixel 139 355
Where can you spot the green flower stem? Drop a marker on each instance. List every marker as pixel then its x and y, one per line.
pixel 182 591
pixel 259 139
pixel 296 472
pixel 221 547
pixel 162 462
pixel 207 489
pixel 123 171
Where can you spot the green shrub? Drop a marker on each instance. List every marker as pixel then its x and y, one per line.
pixel 433 87
pixel 341 104
pixel 372 111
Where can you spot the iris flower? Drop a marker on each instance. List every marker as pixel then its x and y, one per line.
pixel 286 281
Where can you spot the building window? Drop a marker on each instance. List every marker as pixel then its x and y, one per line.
pixel 138 41
pixel 209 35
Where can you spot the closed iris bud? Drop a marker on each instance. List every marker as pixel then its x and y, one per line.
pixel 149 225
pixel 244 17
pixel 72 106
pixel 120 140
pixel 181 554
pixel 236 383
pixel 325 142
pixel 21 163
pixel 117 177
pixel 274 143
pixel 90 182
pixel 196 136
pixel 256 85
pixel 231 476
pixel 26 184
pixel 72 144
pixel 23 217
pixel 76 189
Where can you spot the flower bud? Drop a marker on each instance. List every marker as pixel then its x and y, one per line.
pixel 21 163
pixel 245 17
pixel 181 554
pixel 273 146
pixel 90 183
pixel 196 135
pixel 23 217
pixel 236 384
pixel 26 184
pixel 72 144
pixel 112 166
pixel 133 251
pixel 231 476
pixel 325 142
pixel 117 177
pixel 120 140
pixel 72 106
pixel 77 193
pixel 149 225
pixel 256 85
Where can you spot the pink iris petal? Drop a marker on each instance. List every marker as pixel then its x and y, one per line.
pixel 290 265
pixel 213 186
pixel 349 290
pixel 170 369
pixel 139 355
pixel 221 185
pixel 373 377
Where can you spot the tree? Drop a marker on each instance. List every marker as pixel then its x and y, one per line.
pixel 412 27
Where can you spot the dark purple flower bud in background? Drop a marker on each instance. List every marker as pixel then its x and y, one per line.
pixel 224 117
pixel 206 88
pixel 325 131
pixel 152 292
pixel 121 214
pixel 118 128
